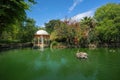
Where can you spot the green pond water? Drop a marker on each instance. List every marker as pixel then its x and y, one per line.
pixel 59 64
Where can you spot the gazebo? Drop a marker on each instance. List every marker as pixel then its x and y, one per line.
pixel 41 39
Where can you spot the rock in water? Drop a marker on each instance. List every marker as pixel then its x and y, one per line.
pixel 81 55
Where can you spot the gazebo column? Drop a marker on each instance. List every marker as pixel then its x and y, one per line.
pixel 38 43
pixel 42 43
pixel 42 40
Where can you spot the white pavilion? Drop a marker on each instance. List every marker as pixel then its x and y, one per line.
pixel 41 39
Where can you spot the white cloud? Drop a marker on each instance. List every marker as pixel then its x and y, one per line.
pixel 78 17
pixel 76 2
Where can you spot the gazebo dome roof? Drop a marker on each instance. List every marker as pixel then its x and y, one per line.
pixel 41 32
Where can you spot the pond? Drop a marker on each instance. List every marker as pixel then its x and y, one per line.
pixel 60 64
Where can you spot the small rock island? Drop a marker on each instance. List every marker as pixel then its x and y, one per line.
pixel 81 55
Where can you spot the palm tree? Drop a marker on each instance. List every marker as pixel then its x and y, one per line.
pixel 87 24
pixel 88 21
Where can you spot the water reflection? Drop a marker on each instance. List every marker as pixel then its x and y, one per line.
pixel 38 64
pixel 49 63
pixel 59 65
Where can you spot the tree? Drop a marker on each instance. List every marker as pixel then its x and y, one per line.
pixel 88 21
pixel 51 25
pixel 108 28
pixel 59 32
pixel 69 33
pixel 27 30
pixel 87 25
pixel 10 33
pixel 12 11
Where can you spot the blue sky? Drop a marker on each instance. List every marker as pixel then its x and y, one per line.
pixel 46 10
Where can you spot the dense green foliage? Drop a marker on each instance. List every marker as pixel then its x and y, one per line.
pixel 27 30
pixel 12 16
pixel 71 33
pixel 12 10
pixel 51 25
pixel 66 32
pixel 87 25
pixel 20 32
pixel 108 28
pixel 102 28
